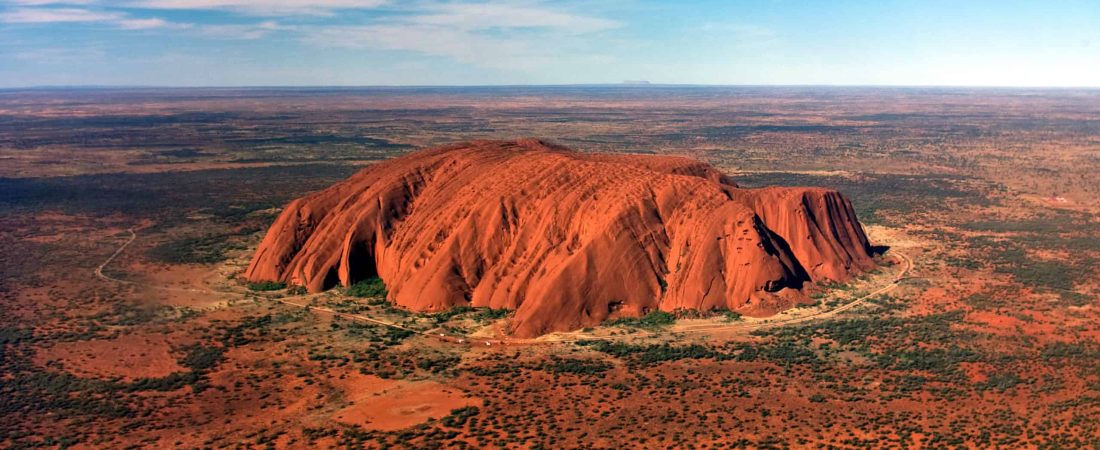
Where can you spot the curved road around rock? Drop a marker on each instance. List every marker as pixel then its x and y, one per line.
pixel 746 326
pixel 820 314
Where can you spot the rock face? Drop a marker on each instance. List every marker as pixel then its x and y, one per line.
pixel 566 239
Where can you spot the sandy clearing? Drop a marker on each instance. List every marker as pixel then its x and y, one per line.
pixel 130 357
pixel 387 405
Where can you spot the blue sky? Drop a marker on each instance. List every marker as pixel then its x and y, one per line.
pixel 438 42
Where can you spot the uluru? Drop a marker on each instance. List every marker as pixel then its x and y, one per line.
pixel 567 239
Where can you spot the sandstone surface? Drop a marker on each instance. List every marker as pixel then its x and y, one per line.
pixel 564 238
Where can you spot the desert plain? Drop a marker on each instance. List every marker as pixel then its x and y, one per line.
pixel 130 217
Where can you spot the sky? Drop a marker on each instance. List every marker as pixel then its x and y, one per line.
pixel 441 42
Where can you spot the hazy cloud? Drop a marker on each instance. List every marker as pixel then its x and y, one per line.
pixel 741 34
pixel 50 2
pixel 262 7
pixel 240 31
pixel 499 35
pixel 480 34
pixel 145 24
pixel 479 16
pixel 462 46
pixel 53 15
pixel 82 15
pixel 60 55
pixel 430 40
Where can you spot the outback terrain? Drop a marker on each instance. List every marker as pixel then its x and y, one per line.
pixel 131 318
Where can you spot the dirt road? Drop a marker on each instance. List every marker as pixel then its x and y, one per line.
pixel 302 301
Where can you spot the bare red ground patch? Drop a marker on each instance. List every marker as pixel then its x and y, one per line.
pixel 977 372
pixel 996 323
pixel 129 356
pixel 387 405
pixel 187 285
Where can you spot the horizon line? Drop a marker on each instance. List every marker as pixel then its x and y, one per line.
pixel 627 85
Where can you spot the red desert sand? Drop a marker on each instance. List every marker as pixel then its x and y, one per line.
pixel 566 239
pixel 388 405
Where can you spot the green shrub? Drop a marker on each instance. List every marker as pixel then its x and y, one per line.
pixel 651 354
pixel 171 382
pixel 449 314
pixel 201 357
pixel 489 314
pixel 1001 381
pixel 370 287
pixel 207 249
pixel 575 366
pixel 266 286
pixel 458 417
pixel 655 319
pixel 438 364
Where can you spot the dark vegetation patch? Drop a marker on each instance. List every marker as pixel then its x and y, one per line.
pixel 876 197
pixel 438 364
pixel 320 139
pixel 886 341
pixel 731 316
pixel 116 121
pixel 185 153
pixel 989 121
pixel 1001 381
pixel 458 417
pixel 888 303
pixel 368 288
pixel 202 357
pixel 169 196
pixel 1057 275
pixel 645 355
pixel 653 320
pixel 110 131
pixel 1083 353
pixel 130 314
pixel 738 131
pixel 480 315
pixel 575 366
pixel 172 156
pixel 263 286
pixel 1058 230
pixel 374 333
pixel 1010 244
pixel 32 391
pixel 891 342
pixel 1046 222
pixel 987 300
pixel 254 328
pixel 375 349
pixel 207 249
pixel 374 353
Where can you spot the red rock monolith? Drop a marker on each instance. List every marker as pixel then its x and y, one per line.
pixel 567 239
